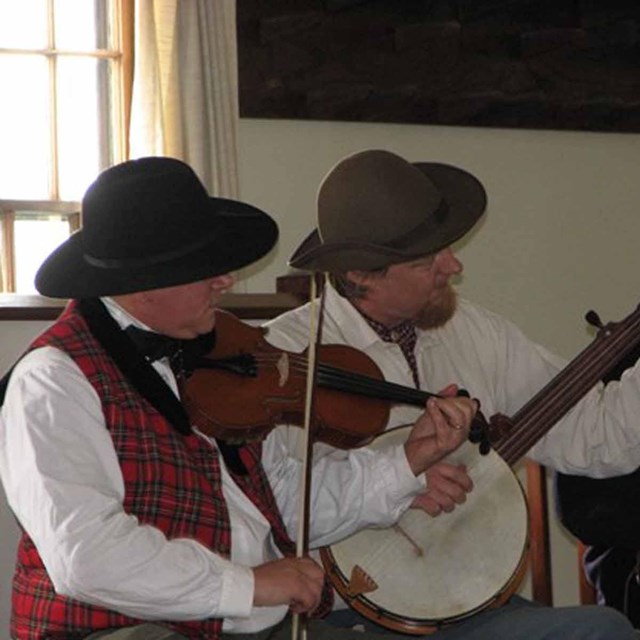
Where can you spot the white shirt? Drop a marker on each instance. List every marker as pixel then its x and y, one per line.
pixel 491 358
pixel 63 481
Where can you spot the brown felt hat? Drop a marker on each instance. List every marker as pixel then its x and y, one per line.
pixel 377 209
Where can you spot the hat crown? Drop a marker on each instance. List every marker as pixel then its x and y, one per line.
pixel 374 196
pixel 127 203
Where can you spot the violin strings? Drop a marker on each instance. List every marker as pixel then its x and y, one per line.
pixel 340 379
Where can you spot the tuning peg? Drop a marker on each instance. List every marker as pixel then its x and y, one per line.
pixel 593 319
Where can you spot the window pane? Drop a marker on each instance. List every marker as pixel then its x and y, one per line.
pixel 75 25
pixel 35 238
pixel 23 24
pixel 24 128
pixel 80 103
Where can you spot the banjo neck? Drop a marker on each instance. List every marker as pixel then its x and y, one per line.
pixel 513 437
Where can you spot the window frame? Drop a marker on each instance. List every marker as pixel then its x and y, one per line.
pixel 121 14
pixel 9 210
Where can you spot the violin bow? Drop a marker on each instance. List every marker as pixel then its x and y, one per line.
pixel 316 314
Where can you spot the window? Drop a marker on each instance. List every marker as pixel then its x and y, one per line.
pixel 61 121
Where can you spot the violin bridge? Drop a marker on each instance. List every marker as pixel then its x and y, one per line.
pixel 360 582
pixel 282 366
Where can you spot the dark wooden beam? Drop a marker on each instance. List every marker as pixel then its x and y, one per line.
pixel 247 306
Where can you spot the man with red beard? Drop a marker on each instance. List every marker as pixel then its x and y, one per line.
pixel 384 235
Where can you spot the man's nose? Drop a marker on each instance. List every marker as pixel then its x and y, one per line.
pixel 448 262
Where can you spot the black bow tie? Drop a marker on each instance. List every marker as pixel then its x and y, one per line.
pixel 153 346
pixel 183 354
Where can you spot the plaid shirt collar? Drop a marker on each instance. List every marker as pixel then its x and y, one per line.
pixel 405 336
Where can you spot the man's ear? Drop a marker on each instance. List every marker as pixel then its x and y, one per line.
pixel 358 277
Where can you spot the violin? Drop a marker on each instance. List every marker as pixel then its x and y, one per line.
pixel 245 386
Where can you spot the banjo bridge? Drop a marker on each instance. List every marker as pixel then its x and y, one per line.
pixel 360 582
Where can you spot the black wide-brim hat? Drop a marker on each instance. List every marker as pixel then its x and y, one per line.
pixel 149 224
pixel 376 209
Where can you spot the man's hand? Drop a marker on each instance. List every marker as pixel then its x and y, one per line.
pixel 441 429
pixel 447 486
pixel 296 582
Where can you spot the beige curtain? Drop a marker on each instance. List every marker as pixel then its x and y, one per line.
pixel 185 87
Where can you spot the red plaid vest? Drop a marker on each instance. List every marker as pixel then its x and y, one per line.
pixel 172 482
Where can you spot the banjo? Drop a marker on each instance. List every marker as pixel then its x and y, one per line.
pixel 425 573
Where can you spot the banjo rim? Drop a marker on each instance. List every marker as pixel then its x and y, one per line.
pixel 410 625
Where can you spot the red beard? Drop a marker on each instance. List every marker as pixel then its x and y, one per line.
pixel 433 316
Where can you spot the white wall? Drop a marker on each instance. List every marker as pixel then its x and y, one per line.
pixel 559 237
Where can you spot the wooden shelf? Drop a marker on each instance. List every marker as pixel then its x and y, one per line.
pixel 14 306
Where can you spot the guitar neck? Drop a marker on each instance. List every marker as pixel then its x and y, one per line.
pixel 613 342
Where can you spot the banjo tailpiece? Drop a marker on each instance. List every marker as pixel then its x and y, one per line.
pixel 360 582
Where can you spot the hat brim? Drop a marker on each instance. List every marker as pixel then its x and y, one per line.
pixel 465 198
pixel 240 234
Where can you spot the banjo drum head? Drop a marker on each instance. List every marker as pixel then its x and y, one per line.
pixel 431 571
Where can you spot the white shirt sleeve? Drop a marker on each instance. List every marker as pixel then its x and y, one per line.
pixel 63 482
pixel 348 492
pixel 600 436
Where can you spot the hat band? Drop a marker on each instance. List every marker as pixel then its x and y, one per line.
pixel 132 263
